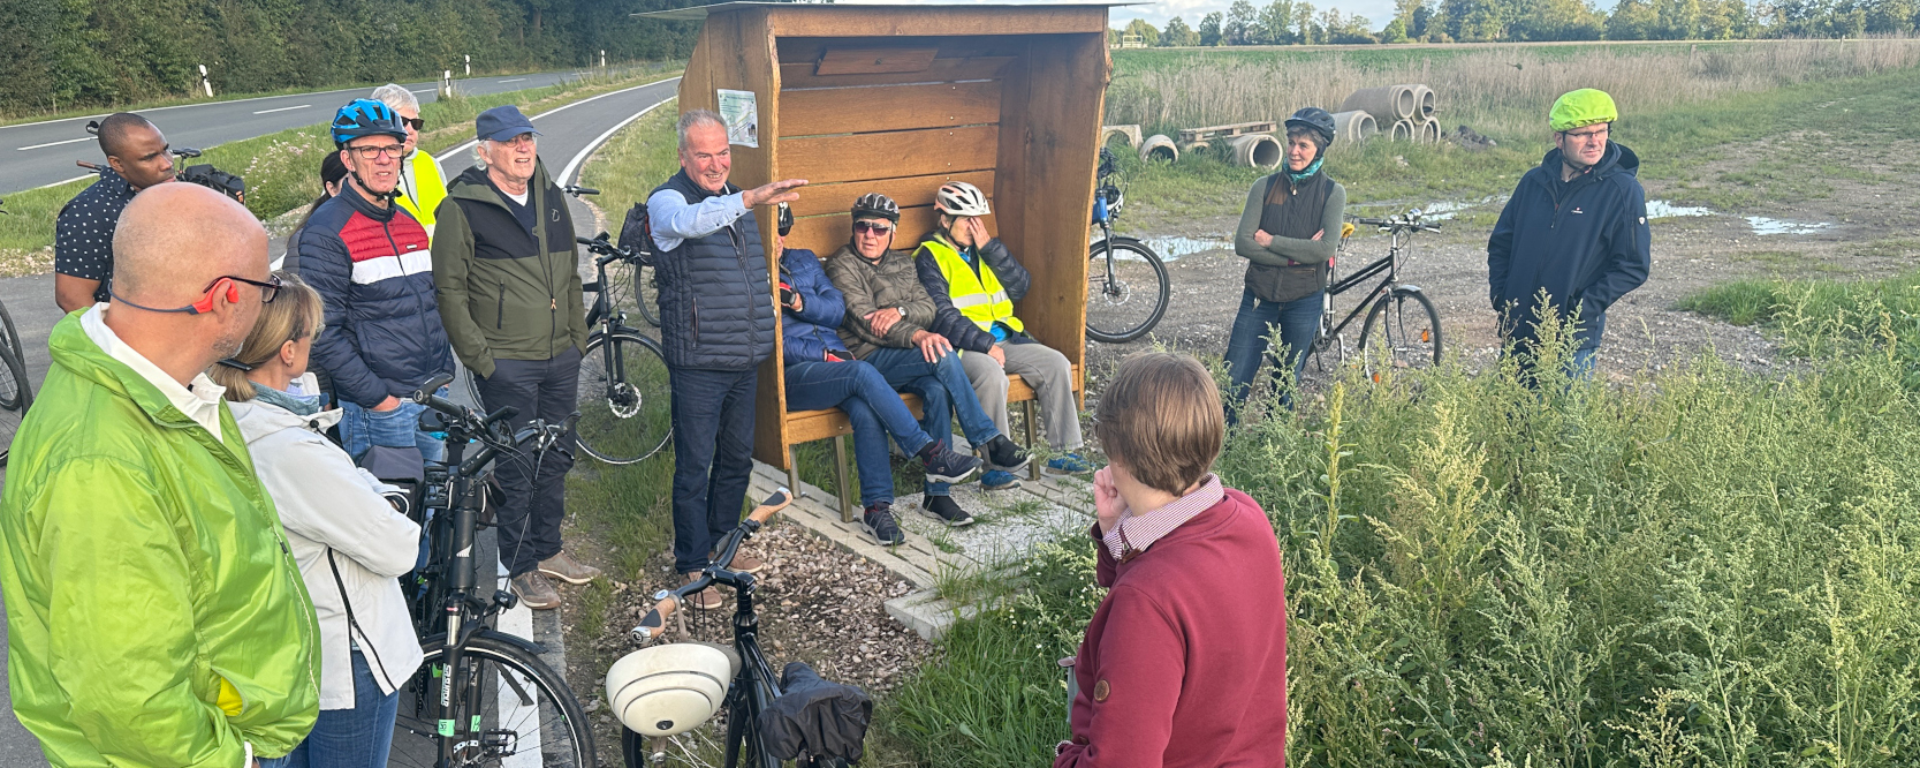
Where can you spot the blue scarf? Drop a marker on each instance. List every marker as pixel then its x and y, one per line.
pixel 1312 169
pixel 300 405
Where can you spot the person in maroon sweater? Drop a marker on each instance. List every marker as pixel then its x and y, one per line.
pixel 1185 662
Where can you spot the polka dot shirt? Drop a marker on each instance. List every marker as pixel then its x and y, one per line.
pixel 83 235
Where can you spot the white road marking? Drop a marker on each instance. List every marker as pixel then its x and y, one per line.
pixel 566 174
pixel 515 80
pixel 469 145
pixel 282 109
pixel 56 143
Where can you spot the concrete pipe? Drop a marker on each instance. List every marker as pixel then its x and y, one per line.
pixel 1131 133
pixel 1159 147
pixel 1427 132
pixel 1256 151
pixel 1402 130
pixel 1197 148
pixel 1354 127
pixel 1386 103
pixel 1424 103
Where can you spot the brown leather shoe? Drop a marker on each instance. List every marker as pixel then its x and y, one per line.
pixel 746 563
pixel 536 592
pixel 563 567
pixel 706 599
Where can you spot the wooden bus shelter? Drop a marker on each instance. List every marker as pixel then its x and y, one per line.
pixel 900 99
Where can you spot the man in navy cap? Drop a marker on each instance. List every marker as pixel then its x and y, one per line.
pixel 508 280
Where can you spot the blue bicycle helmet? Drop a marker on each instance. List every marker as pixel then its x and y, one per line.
pixel 366 117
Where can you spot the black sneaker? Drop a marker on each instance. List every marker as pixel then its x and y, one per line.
pixel 944 509
pixel 1003 454
pixel 879 521
pixel 944 466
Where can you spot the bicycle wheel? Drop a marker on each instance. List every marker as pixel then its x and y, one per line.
pixel 511 709
pixel 16 394
pixel 646 293
pixel 625 410
pixel 1126 290
pixel 1402 331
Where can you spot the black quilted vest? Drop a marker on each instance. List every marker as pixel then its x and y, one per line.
pixel 716 298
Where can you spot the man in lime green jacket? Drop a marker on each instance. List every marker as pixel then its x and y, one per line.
pixel 154 615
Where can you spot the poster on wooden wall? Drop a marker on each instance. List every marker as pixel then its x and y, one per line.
pixel 742 113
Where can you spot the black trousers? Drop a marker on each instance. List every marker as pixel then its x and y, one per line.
pixel 533 489
pixel 712 458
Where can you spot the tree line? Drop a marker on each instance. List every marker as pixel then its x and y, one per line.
pixel 67 53
pixel 1298 22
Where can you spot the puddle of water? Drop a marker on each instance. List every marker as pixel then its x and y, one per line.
pixel 1762 225
pixel 1172 248
pixel 1445 209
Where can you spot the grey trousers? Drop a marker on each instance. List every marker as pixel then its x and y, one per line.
pixel 1044 369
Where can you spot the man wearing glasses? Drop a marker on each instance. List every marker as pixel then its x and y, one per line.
pixel 154 614
pixel 369 260
pixel 421 185
pixel 509 291
pixel 1575 232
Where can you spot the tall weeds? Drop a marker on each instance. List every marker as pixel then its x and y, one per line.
pixel 1707 568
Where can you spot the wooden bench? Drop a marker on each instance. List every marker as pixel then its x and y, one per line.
pixel 832 423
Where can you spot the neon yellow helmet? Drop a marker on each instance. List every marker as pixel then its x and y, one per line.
pixel 1586 106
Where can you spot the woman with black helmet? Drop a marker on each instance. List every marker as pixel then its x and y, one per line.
pixel 1287 234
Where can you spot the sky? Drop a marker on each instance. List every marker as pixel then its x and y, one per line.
pixel 1158 12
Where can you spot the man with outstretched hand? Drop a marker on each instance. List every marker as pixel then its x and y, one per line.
pixel 1574 234
pixel 717 324
pixel 154 615
pixel 369 260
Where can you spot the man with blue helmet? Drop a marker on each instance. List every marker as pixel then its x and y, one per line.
pixel 370 262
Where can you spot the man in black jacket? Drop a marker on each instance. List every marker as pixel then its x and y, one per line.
pixel 717 323
pixel 505 263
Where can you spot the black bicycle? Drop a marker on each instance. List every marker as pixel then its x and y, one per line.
pixel 482 697
pixel 16 393
pixel 1127 286
pixel 754 701
pixel 1402 328
pixel 626 407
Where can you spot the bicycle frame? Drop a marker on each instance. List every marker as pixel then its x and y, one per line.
pixel 1400 246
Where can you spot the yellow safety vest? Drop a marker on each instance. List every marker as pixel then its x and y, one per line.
pixel 980 297
pixel 428 189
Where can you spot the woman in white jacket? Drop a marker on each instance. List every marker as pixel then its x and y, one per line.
pixel 349 540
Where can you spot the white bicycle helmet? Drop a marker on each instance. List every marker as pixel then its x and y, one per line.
pixel 669 689
pixel 958 198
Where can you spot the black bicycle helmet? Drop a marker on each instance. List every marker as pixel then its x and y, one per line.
pixel 1314 119
pixel 366 117
pixel 875 205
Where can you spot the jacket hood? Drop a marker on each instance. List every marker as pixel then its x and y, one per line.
pixel 259 420
pixel 472 184
pixel 1617 158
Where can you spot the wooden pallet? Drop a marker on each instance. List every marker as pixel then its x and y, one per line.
pixel 1190 135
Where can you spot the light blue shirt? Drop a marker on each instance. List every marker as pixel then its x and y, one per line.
pixel 676 221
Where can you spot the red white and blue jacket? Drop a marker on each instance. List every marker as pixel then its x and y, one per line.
pixel 374 273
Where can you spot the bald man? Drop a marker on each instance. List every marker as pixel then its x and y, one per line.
pixel 154 615
pixel 137 158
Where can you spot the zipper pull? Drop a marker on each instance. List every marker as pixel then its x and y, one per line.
pixel 553 302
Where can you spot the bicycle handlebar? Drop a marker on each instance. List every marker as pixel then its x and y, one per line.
pixel 1403 223
pixel 578 191
pixel 654 624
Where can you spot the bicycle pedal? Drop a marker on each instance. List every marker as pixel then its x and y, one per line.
pixel 500 743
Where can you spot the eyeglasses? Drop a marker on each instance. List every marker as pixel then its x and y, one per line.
pixel 872 227
pixel 414 123
pixel 269 290
pixel 369 153
pixel 1600 132
pixel 522 140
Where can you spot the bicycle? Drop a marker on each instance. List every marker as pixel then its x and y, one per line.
pixel 626 409
pixel 481 697
pixel 1409 326
pixel 1127 284
pixel 754 688
pixel 16 392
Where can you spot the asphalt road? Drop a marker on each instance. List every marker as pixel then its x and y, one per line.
pixel 38 154
pixel 568 134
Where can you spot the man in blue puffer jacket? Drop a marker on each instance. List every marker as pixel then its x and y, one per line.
pixel 1575 230
pixel 370 263
pixel 716 325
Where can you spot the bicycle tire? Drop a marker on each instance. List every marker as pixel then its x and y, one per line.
pixel 625 417
pixel 16 393
pixel 1409 332
pixel 1133 301
pixel 546 711
pixel 646 293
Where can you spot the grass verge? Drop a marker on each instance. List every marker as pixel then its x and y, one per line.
pixel 282 168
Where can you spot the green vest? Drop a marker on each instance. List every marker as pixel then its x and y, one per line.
pixel 978 296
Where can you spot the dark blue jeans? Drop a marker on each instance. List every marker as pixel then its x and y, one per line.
pixel 945 392
pixel 1297 320
pixel 351 738
pixel 859 390
pixel 712 458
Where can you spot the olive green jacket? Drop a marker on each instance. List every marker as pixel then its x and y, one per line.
pixel 154 614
